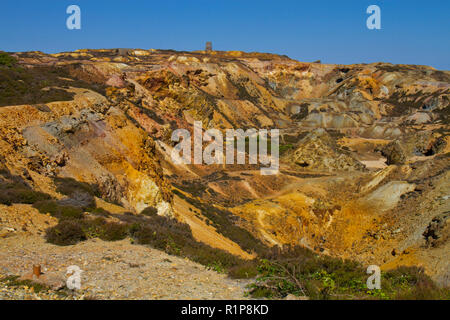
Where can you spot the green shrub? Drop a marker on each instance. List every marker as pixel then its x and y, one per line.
pixel 66 232
pixel 69 186
pixel 49 206
pixel 216 266
pixel 150 211
pixel 69 212
pixel 59 211
pixel 260 292
pixel 100 211
pixel 19 193
pixel 285 147
pixel 7 60
pixel 23 85
pixel 299 271
pixel 93 228
pixel 244 270
pixel 114 231
pixel 411 283
pixel 14 281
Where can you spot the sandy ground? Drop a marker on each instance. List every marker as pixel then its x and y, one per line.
pixel 114 270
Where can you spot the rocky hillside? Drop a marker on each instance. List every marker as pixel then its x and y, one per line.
pixel 364 168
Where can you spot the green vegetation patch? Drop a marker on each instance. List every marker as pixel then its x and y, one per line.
pixel 17 192
pixel 300 272
pixel 66 232
pixel 58 210
pixel 38 84
pixel 16 282
pixel 69 187
pixel 7 60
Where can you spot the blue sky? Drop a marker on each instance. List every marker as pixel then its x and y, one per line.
pixel 413 32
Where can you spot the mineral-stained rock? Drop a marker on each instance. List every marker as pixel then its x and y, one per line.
pixel 6 232
pixel 319 151
pixel 116 81
pixel 387 196
pixel 438 231
pixel 394 153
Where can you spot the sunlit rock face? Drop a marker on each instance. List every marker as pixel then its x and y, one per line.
pixel 364 149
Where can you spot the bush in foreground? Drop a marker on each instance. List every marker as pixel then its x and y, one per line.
pixel 19 193
pixel 301 272
pixel 66 232
pixel 59 211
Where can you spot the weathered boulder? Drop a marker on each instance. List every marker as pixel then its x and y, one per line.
pixel 394 153
pixel 319 151
pixel 438 230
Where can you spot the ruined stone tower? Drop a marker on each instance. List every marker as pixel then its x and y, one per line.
pixel 123 52
pixel 208 46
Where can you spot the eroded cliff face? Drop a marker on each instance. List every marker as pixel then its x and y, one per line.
pixel 89 140
pixel 364 148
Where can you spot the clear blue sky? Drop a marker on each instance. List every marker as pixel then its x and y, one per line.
pixel 413 32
